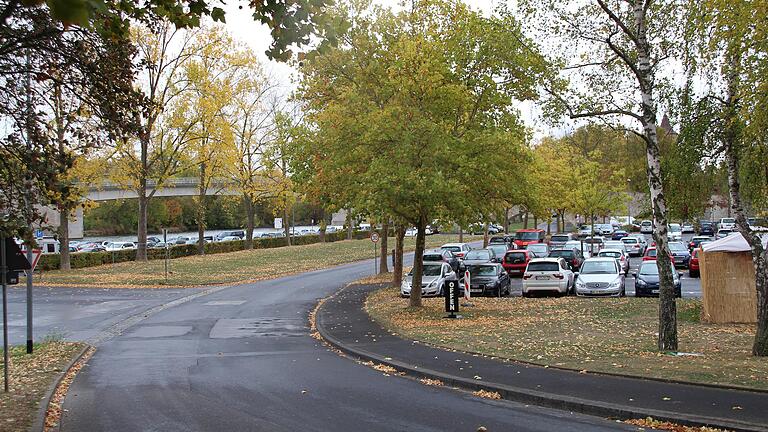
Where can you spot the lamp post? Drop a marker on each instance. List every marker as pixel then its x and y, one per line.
pixel 629 202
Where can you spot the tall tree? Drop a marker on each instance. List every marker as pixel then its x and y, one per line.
pixel 619 49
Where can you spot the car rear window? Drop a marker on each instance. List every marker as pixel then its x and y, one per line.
pixel 560 238
pixel 543 266
pixel 610 254
pixel 515 257
pixel 561 253
pixel 478 254
pixel 452 248
pixel 630 240
pixel 651 252
pixel 527 235
pixel 433 257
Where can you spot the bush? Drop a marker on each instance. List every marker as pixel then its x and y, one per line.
pixel 91 259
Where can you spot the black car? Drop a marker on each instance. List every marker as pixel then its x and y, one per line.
pixel 509 241
pixel 696 242
pixel 618 235
pixel 707 228
pixel 680 253
pixel 488 280
pixel 479 256
pixel 446 256
pixel 573 257
pixel 647 280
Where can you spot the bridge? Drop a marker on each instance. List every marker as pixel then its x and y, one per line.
pixel 177 186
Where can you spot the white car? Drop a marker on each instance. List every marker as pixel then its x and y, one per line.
pixel 586 231
pixel 547 274
pixel 727 224
pixel 620 255
pixel 230 238
pixel 615 244
pixel 688 228
pixel 411 232
pixel 116 246
pixel 600 277
pixel 723 233
pixel 646 227
pixel 433 279
pixel 458 249
pixel 577 244
pixel 675 232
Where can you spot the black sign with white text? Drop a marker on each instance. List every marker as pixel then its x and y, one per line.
pixel 452 296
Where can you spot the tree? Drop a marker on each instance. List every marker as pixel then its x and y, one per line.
pixel 727 44
pixel 620 47
pixel 410 102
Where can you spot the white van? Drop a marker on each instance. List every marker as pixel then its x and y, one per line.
pixel 727 223
pixel 646 227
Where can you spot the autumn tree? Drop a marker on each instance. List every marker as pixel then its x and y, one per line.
pixel 612 53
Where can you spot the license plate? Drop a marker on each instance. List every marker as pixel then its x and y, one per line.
pixel 475 290
pixel 516 271
pixel 542 277
pixel 595 291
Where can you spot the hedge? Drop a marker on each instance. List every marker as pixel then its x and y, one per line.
pixel 91 259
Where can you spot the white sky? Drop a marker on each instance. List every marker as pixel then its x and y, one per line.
pixel 256 35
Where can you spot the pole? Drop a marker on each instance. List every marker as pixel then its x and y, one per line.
pixel 28 204
pixel 375 260
pixel 165 242
pixel 4 271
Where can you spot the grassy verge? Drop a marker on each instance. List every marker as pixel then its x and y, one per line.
pixel 233 267
pixel 30 377
pixel 601 335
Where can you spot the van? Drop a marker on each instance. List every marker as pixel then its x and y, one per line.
pixel 646 227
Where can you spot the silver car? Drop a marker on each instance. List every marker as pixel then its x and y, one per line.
pixel 620 255
pixel 600 277
pixel 433 279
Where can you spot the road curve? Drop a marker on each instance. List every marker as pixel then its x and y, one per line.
pixel 242 359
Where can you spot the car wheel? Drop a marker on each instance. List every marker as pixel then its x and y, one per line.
pixel 526 295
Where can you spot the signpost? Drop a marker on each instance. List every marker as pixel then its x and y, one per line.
pixel 451 292
pixel 165 242
pixel 375 239
pixel 467 287
pixel 11 261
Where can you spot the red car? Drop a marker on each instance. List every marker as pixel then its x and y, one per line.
pixel 693 266
pixel 515 262
pixel 524 237
pixel 650 255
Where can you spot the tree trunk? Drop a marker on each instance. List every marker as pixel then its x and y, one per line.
pixel 349 224
pixel 397 271
pixel 418 262
pixel 535 222
pixel 64 261
pixel 383 267
pixel 286 226
pixel 141 247
pixel 485 235
pixel 732 138
pixel 667 307
pixel 250 210
pixel 201 211
pixel 525 221
pixel 506 220
pixel 323 225
pixel 461 234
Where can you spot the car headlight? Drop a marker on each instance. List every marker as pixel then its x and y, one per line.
pixel 616 283
pixel 405 285
pixel 639 282
pixel 580 284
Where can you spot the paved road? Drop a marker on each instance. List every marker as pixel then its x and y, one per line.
pixel 242 359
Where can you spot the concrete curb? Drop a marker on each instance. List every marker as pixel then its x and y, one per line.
pixel 38 424
pixel 527 396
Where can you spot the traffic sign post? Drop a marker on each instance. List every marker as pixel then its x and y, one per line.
pixel 11 260
pixel 375 239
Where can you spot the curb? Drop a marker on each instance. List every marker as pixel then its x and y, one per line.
pixel 39 423
pixel 532 397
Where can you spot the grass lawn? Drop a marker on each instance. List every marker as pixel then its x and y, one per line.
pixel 233 267
pixel 30 377
pixel 601 335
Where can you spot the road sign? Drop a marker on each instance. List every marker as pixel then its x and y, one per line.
pixel 15 259
pixel 36 253
pixel 375 237
pixel 39 233
pixel 451 292
pixel 278 223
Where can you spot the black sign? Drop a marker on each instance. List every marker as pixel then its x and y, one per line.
pixel 12 277
pixel 451 292
pixel 14 259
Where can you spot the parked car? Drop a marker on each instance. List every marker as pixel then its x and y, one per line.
pixel 524 237
pixel 499 250
pixel 696 241
pixel 559 240
pixel 646 227
pixel 93 248
pixel 502 240
pixel 180 240
pixel 633 246
pixel 230 238
pixel 434 275
pixel 694 270
pixel 723 233
pixel 675 232
pixel 220 236
pixel 116 246
pixel 572 256
pixel 443 255
pixel 458 249
pixel 687 228
pixel 479 256
pixel 585 231
pixel 159 245
pixel 411 232
pixel 595 244
pixel 547 274
pixel 489 279
pixel 619 234
pixel 727 223
pixel 515 261
pixel 538 250
pixel 579 245
pixel 619 255
pixel 680 254
pixel 707 228
pixel 647 280
pixel 600 277
pixel 614 244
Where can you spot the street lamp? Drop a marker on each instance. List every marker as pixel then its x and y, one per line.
pixel 629 202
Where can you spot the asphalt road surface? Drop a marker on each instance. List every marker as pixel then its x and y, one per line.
pixel 242 359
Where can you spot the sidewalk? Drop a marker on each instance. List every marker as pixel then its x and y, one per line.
pixel 342 321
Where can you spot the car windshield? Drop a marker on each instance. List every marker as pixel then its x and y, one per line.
pixel 646 223
pixel 598 267
pixel 677 247
pixel 629 240
pixel 499 249
pixel 429 270
pixel 537 247
pixel 543 266
pixel 651 252
pixel 728 220
pixel 560 238
pixel 561 253
pixel 452 248
pixel 527 235
pixel 497 240
pixel 478 255
pixel 482 270
pixel 610 254
pixel 515 257
pixel 674 227
pixel 651 269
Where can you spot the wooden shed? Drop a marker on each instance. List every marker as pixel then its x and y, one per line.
pixel 728 281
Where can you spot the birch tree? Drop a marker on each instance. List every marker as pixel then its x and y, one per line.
pixel 612 53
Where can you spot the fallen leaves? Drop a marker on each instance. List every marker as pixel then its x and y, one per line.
pixel 53 413
pixel 431 382
pixel 487 394
pixel 650 423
